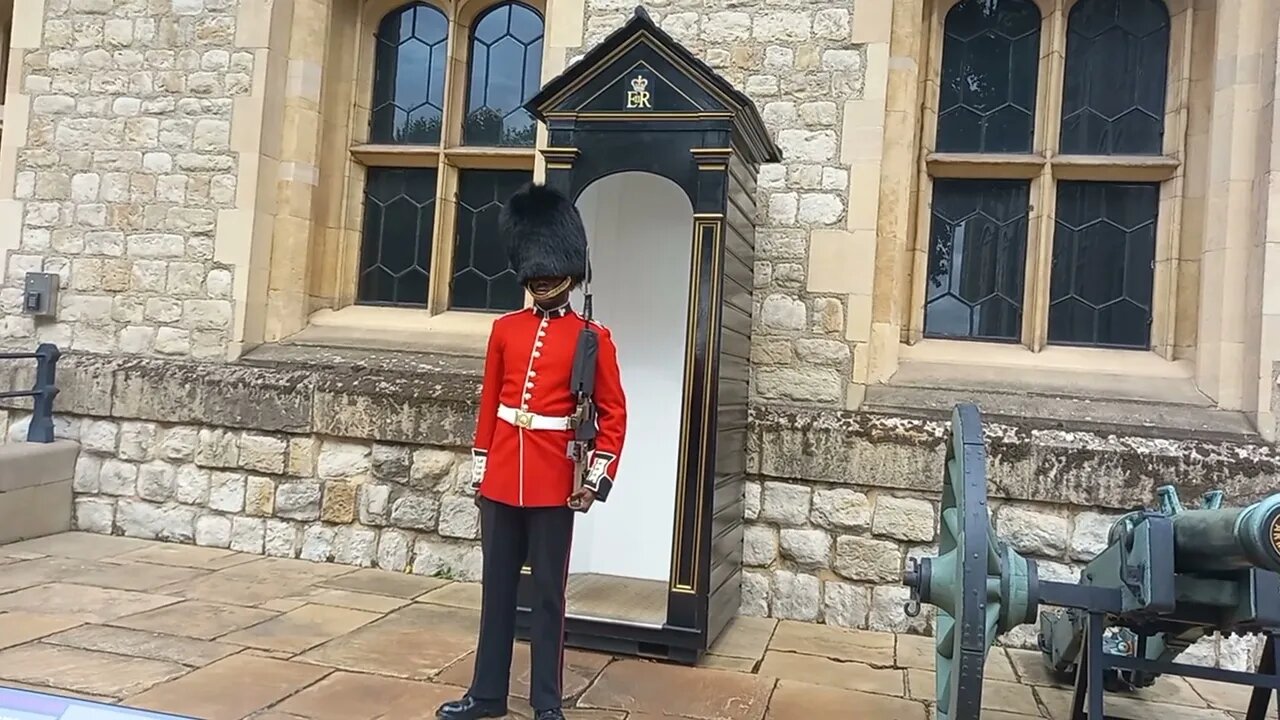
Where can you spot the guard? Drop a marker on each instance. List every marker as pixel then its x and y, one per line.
pixel 528 478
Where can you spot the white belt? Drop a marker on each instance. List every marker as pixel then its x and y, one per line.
pixel 530 421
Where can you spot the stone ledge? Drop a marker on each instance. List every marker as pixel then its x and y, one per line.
pixel 1085 469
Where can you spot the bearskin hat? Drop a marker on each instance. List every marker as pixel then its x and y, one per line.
pixel 544 234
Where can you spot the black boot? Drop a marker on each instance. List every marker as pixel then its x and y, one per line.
pixel 469 708
pixel 554 714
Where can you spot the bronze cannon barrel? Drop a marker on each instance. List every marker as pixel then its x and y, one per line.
pixel 1228 538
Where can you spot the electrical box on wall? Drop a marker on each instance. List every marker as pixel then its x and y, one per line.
pixel 40 294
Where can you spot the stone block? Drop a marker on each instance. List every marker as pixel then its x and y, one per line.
pixel 809 548
pixel 845 604
pixel 796 596
pixel 191 485
pixel 1089 536
pixel 430 466
pixel 317 543
pixel 887 615
pixel 259 496
pixel 841 509
pixel 785 504
pixel 354 545
pixel 118 478
pixel 459 517
pixel 298 500
pixel 156 481
pixel 374 501
pixel 393 550
pixel 226 491
pixel 391 462
pixel 178 444
pixel 213 531
pixel 860 558
pixel 218 448
pixel 759 546
pixel 755 595
pixel 1031 531
pixel 341 460
pixel 339 504
pixel 248 534
pixel 149 521
pixel 303 452
pixel 95 515
pixel 415 511
pixel 282 539
pixel 137 441
pixel 903 518
pixel 751 501
pixel 449 560
pixel 263 453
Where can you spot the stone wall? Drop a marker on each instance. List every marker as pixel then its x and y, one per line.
pixel 799 62
pixel 126 163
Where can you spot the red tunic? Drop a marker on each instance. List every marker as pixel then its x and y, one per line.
pixel 522 439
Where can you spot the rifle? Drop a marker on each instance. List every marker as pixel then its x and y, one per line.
pixel 582 384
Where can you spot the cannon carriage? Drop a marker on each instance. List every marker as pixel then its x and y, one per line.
pixel 1168 577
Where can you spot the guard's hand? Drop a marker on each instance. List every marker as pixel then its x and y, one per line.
pixel 582 499
pixel 476 497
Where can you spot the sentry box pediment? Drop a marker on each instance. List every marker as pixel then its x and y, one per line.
pixel 640 73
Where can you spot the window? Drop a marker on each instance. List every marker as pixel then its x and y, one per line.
pixel 448 142
pixel 1047 164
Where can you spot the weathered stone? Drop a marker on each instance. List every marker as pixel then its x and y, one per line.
pixel 339 504
pixel 302 456
pixel 178 444
pixel 355 545
pixel 281 539
pixel 96 515
pixel 263 453
pixel 453 561
pixel 218 447
pixel 903 518
pixel 459 517
pixel 759 546
pixel 795 596
pixel 248 534
pixel 259 496
pixel 87 474
pixel 755 595
pixel 783 313
pixel 192 485
pixel 1029 531
pixel 430 466
pixel 393 550
pixel 226 491
pixel 391 462
pixel 751 501
pixel 156 481
pixel 341 460
pixel 317 543
pixel 99 436
pixel 298 500
pixel 140 519
pixel 800 384
pixel 810 548
pixel 785 504
pixel 414 511
pixel 137 440
pixel 887 615
pixel 823 352
pixel 374 501
pixel 841 509
pixel 213 531
pixel 845 605
pixel 1089 538
pixel 860 558
pixel 118 478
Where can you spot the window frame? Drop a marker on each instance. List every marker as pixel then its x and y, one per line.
pixel 1044 168
pixel 450 157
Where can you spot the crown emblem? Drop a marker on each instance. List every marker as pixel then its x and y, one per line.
pixel 639 83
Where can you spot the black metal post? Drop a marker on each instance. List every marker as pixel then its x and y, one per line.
pixel 1261 697
pixel 46 389
pixel 1089 688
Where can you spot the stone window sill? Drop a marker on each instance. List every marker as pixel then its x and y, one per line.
pixel 1108 391
pixel 400 329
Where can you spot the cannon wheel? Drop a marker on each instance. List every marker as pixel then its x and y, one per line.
pixel 981 587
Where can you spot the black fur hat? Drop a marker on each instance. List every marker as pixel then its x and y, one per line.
pixel 544 234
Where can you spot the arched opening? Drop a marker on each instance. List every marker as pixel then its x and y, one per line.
pixel 639 226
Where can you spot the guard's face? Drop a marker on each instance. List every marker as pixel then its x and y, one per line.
pixel 544 289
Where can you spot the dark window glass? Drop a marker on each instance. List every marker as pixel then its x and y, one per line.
pixel 408 76
pixel 1115 81
pixel 482 276
pixel 395 252
pixel 977 259
pixel 990 62
pixel 505 71
pixel 1103 249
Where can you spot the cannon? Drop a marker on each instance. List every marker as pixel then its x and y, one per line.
pixel 1167 577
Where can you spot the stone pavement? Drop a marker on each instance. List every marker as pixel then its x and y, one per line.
pixel 222 636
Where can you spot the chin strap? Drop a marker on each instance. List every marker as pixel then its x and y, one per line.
pixel 564 285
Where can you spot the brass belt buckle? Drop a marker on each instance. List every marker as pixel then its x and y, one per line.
pixel 524 419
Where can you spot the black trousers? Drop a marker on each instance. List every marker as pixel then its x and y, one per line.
pixel 509 536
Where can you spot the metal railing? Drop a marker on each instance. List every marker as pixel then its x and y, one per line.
pixel 46 388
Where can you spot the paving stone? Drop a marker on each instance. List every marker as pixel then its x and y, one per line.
pixel 1172 690
pixel 728 662
pixel 996 695
pixel 352 696
pixel 136 576
pixel 580 668
pixel 745 637
pixel 143 644
pixel 196 619
pixel 192 556
pixel 416 641
pixel 350 599
pixel 795 700
pixel 1058 702
pixel 1224 696
pixel 63 692
pixel 233 590
pixel 458 594
pixel 38 571
pixel 80 545
pixel 283 605
pixel 833 673
pixel 643 687
pixel 231 688
pixel 21 627
pixel 91 604
pixel 301 629
pixel 383 582
pixel 1031 670
pixel 85 671
pixel 918 651
pixel 285 570
pixel 871 648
